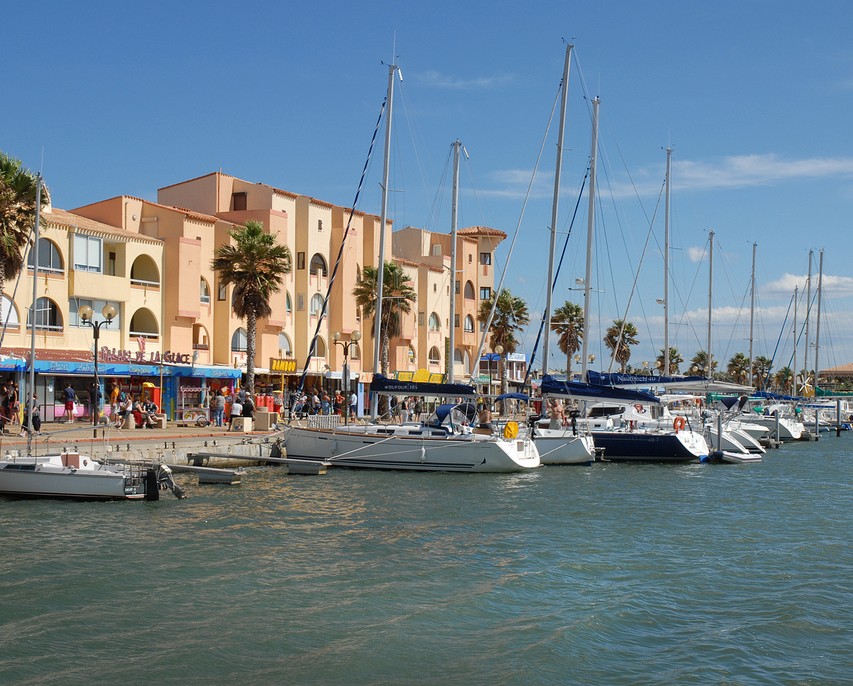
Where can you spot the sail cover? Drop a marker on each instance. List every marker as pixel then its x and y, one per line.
pixel 552 386
pixel 382 384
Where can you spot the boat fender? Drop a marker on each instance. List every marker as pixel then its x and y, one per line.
pixel 679 424
pixel 511 430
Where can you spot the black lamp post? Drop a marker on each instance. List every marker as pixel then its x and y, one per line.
pixel 86 315
pixel 354 338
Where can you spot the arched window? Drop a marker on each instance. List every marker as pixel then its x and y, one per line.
pixel 8 312
pixel 288 303
pixel 434 355
pixel 239 344
pixel 318 264
pixel 201 341
pixel 144 272
pixel 204 292
pixel 434 322
pixel 354 352
pixel 411 355
pixel 143 323
pixel 50 259
pixel 469 291
pixel 284 344
pixel 48 316
pixel 321 347
pixel 316 305
pixel 469 324
pixel 458 356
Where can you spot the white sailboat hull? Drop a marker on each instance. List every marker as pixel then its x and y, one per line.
pixel 562 446
pixel 53 476
pixel 375 447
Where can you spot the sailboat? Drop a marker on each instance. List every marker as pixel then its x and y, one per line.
pixel 69 474
pixel 444 442
pixel 620 440
pixel 559 444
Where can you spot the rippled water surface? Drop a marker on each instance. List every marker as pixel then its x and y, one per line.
pixel 609 574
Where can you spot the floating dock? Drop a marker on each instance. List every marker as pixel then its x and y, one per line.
pixel 292 464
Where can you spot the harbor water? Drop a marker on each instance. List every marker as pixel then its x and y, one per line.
pixel 607 574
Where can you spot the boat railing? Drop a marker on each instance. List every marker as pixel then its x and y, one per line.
pixel 323 421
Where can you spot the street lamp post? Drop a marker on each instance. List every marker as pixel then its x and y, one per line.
pixel 86 315
pixel 354 338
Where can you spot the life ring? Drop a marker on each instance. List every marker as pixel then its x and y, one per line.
pixel 679 424
pixel 511 430
pixel 639 407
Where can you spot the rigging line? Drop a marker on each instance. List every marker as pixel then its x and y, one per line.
pixel 634 284
pixel 438 198
pixel 778 340
pixel 554 282
pixel 417 145
pixel 495 295
pixel 322 316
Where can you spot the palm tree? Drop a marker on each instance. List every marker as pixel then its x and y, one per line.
pixel 761 366
pixel 675 360
pixel 784 380
pixel 397 299
pixel 511 316
pixel 738 368
pixel 255 265
pixel 619 339
pixel 568 323
pixel 699 364
pixel 18 190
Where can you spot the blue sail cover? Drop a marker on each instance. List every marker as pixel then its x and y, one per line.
pixel 382 384
pixel 616 379
pixel 552 386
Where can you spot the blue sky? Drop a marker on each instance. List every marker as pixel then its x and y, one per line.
pixel 755 97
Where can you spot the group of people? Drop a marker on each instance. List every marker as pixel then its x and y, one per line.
pixel 318 401
pixel 143 409
pixel 10 410
pixel 242 405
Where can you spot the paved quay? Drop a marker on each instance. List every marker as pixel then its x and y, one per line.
pixel 170 445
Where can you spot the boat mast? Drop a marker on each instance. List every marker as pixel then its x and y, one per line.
pixel 31 385
pixel 808 317
pixel 796 291
pixel 554 206
pixel 708 356
pixel 377 321
pixel 817 321
pixel 665 370
pixel 751 310
pixel 590 235
pixel 454 209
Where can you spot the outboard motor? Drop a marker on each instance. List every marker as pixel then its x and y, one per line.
pixel 166 482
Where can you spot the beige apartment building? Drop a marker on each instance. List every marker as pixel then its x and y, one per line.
pixel 152 262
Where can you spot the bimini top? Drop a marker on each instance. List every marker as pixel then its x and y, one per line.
pixel 381 384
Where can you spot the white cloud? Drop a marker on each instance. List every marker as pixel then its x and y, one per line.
pixel 439 80
pixel 695 254
pixel 737 171
pixel 833 286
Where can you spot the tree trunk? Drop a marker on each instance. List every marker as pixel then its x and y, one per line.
pixel 251 330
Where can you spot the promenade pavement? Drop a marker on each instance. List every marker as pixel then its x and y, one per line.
pixel 174 440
